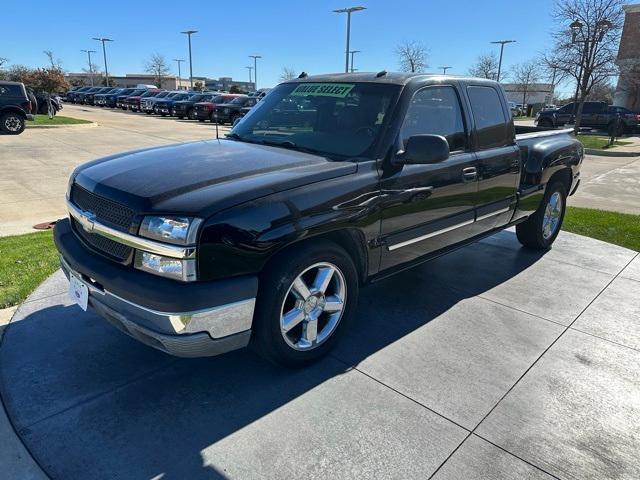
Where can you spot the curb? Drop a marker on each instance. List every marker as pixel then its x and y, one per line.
pixel 607 153
pixel 73 125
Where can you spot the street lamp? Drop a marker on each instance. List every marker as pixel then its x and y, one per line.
pixel 353 52
pixel 89 52
pixel 189 33
pixel 444 70
pixel 179 61
pixel 104 54
pixel 255 70
pixel 249 68
pixel 348 11
pixel 502 43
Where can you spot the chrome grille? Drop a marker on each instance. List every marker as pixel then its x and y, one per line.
pixel 116 251
pixel 105 210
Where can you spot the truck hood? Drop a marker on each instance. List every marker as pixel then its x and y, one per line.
pixel 202 178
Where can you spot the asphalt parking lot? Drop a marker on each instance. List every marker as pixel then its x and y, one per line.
pixel 36 165
pixel 491 362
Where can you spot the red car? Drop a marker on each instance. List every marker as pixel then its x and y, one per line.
pixel 204 110
pixel 133 103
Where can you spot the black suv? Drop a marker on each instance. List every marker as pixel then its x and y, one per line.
pixel 594 114
pixel 230 112
pixel 15 107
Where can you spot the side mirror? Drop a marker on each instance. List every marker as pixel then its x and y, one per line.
pixel 424 149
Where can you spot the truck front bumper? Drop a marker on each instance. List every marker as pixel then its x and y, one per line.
pixel 183 319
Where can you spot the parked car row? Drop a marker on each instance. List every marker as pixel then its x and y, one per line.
pixel 216 107
pixel 597 115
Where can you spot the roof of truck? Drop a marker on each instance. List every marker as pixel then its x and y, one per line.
pixel 394 78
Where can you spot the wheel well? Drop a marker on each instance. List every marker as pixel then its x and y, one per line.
pixel 13 110
pixel 563 176
pixel 349 239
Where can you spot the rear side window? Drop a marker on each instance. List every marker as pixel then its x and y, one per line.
pixel 491 124
pixel 435 111
pixel 591 107
pixel 10 91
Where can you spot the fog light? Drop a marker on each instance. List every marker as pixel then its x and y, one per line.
pixel 175 268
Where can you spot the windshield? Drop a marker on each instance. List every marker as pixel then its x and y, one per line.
pixel 342 119
pixel 219 99
pixel 238 101
pixel 162 94
pixel 136 92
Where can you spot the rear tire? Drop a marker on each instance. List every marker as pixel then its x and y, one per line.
pixel 296 325
pixel 12 123
pixel 540 230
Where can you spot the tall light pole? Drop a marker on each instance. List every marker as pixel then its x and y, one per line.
pixel 255 70
pixel 444 70
pixel 348 11
pixel 189 33
pixel 249 68
pixel 179 61
pixel 104 54
pixel 89 52
pixel 502 43
pixel 353 52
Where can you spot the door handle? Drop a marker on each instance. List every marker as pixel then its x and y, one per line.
pixel 469 174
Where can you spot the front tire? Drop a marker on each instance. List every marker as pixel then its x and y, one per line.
pixel 12 123
pixel 306 298
pixel 540 230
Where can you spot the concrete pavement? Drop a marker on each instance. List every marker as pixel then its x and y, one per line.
pixel 36 165
pixel 491 362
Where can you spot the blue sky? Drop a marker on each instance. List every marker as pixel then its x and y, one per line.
pixel 303 35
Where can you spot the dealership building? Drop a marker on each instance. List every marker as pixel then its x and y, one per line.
pixel 537 93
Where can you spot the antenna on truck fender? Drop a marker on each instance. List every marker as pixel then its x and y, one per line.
pixel 217 137
pixel 303 75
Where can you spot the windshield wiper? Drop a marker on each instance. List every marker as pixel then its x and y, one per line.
pixel 234 136
pixel 293 146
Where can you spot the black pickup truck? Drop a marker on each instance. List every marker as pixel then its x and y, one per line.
pixel 329 183
pixel 15 107
pixel 597 115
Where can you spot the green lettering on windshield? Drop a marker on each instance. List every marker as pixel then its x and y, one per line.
pixel 338 90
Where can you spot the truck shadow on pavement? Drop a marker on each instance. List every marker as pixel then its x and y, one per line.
pixel 89 401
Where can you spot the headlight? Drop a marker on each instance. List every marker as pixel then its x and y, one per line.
pixel 178 230
pixel 175 268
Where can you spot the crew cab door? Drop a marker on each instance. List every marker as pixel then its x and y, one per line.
pixel 429 207
pixel 498 157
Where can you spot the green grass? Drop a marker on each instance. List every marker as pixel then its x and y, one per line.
pixel 57 120
pixel 599 142
pixel 612 227
pixel 25 262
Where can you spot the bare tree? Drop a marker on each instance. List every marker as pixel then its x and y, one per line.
pixel 486 66
pixel 586 43
pixel 412 57
pixel 55 63
pixel 525 74
pixel 158 66
pixel 3 61
pixel 287 74
pixel 602 92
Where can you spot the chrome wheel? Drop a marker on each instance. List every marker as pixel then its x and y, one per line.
pixel 552 215
pixel 313 306
pixel 13 123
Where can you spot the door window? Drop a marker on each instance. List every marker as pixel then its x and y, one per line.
pixel 436 111
pixel 491 123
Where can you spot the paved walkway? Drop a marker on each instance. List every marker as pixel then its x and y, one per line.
pixel 609 183
pixel 36 165
pixel 491 362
